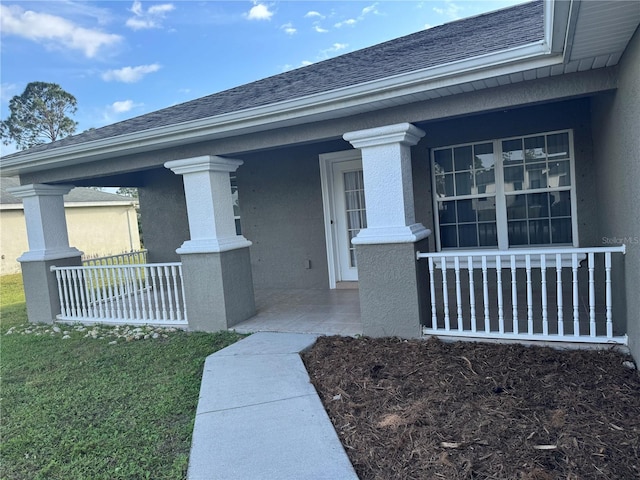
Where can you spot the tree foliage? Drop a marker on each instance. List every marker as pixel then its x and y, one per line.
pixel 128 192
pixel 39 115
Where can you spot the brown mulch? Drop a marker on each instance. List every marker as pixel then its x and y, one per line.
pixel 434 410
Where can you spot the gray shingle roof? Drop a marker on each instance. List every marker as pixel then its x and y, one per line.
pixel 459 40
pixel 78 194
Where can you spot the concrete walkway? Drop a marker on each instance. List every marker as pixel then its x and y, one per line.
pixel 259 417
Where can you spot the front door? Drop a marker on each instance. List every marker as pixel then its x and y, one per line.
pixel 345 212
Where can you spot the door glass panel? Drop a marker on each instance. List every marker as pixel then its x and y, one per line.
pixel 355 208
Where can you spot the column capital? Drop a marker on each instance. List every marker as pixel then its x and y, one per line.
pixel 204 163
pixel 400 133
pixel 39 190
pixel 43 207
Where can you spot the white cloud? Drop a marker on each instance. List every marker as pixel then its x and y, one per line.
pixel 129 74
pixel 152 18
pixel 451 10
pixel 288 28
pixel 123 106
pixel 53 31
pixel 349 22
pixel 371 9
pixel 314 14
pixel 259 11
pixel 328 52
pixel 319 29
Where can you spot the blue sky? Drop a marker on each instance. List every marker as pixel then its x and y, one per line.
pixel 122 59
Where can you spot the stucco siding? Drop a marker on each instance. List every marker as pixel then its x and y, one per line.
pixel 281 211
pixel 94 230
pixel 616 123
pixel 163 212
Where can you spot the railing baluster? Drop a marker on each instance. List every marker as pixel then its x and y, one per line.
pixel 576 295
pixel 445 295
pixel 559 301
pixel 135 284
pixel 175 291
pixel 147 310
pixel 514 295
pixel 543 281
pixel 154 275
pixel 432 292
pixel 63 310
pixel 456 266
pixel 472 294
pixel 592 295
pixel 184 304
pixel 118 285
pixel 500 299
pixel 607 282
pixel 77 303
pixel 66 282
pixel 162 302
pixel 485 294
pixel 529 295
pixel 169 295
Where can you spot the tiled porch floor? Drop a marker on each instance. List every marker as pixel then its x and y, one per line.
pixel 325 312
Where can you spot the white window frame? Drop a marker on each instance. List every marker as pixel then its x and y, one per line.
pixel 500 195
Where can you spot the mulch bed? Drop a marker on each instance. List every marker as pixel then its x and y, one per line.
pixel 434 410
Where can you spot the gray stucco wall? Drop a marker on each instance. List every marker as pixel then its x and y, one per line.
pixel 163 215
pixel 281 212
pixel 616 123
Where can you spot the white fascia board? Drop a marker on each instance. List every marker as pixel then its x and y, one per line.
pixel 302 109
pixel 11 206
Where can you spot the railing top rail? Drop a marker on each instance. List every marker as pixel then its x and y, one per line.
pixel 522 252
pixel 107 267
pixel 115 255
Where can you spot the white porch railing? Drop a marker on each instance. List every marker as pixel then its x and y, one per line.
pixel 533 294
pixel 128 258
pixel 149 294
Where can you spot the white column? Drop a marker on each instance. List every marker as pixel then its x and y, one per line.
pixel 388 184
pixel 46 223
pixel 207 190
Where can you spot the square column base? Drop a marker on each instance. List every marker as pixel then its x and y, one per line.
pixel 218 289
pixel 393 289
pixel 41 287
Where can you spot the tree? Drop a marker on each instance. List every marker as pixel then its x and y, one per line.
pixel 39 115
pixel 128 192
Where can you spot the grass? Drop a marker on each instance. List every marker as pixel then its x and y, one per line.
pixel 96 408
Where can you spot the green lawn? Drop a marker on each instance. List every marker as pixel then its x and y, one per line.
pixel 110 407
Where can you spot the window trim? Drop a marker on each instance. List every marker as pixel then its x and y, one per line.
pixel 500 196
